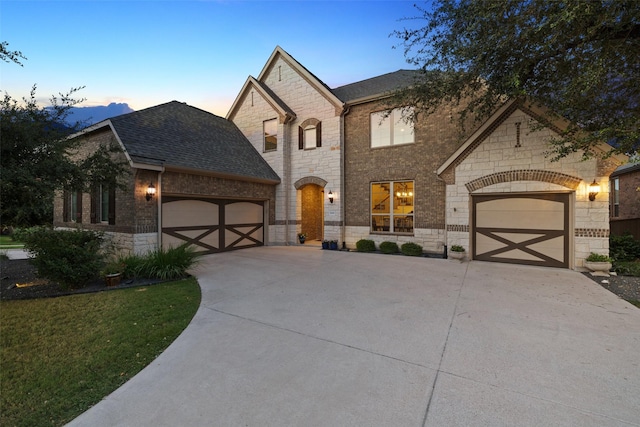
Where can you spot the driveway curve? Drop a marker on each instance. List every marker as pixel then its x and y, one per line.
pixel 299 336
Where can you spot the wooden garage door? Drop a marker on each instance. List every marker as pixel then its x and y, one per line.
pixel 212 225
pixel 522 229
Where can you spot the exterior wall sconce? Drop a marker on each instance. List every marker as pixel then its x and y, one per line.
pixel 594 189
pixel 330 195
pixel 151 191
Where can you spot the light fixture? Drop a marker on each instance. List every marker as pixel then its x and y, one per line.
pixel 151 191
pixel 330 195
pixel 404 195
pixel 594 189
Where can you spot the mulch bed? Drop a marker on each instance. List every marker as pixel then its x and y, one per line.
pixel 21 271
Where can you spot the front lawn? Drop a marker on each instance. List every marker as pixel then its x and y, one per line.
pixel 61 356
pixel 7 242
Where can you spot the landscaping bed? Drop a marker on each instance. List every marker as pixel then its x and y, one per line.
pixel 15 273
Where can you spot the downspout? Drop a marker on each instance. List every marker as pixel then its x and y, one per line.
pixel 287 177
pixel 446 241
pixel 159 205
pixel 343 199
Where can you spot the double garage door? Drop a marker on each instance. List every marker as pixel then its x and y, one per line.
pixel 212 225
pixel 522 229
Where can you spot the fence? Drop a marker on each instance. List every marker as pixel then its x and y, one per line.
pixel 622 226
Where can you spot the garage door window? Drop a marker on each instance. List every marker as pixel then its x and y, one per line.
pixel 392 206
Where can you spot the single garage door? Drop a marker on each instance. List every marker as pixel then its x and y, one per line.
pixel 212 225
pixel 522 229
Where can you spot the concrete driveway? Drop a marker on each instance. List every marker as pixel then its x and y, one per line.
pixel 298 336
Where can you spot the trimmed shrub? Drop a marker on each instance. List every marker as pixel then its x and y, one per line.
pixel 624 248
pixel 389 248
pixel 627 268
pixel 172 263
pixel 365 245
pixel 411 249
pixel 70 258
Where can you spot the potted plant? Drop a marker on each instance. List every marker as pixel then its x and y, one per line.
pixel 599 264
pixel 302 237
pixel 457 252
pixel 112 273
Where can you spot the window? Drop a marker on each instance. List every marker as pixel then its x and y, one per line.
pixel 391 130
pixel 270 128
pixel 615 197
pixel 392 206
pixel 103 205
pixel 310 134
pixel 72 206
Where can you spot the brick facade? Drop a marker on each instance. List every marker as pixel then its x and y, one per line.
pixel 136 219
pixel 435 139
pixel 183 184
pixel 629 194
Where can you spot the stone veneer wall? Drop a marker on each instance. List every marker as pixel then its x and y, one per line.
pixel 436 138
pixel 500 165
pixel 290 163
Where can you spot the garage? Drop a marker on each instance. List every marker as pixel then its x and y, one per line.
pixel 530 228
pixel 212 225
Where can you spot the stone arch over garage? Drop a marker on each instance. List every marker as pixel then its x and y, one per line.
pixel 558 178
pixel 310 180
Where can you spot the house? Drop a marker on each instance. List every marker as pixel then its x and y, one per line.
pixel 295 156
pixel 351 172
pixel 624 208
pixel 194 178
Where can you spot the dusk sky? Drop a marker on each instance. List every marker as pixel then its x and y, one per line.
pixel 148 52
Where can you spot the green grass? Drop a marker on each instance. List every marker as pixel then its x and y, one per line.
pixel 62 355
pixel 7 242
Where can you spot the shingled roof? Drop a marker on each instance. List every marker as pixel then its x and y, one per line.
pixel 375 87
pixel 176 135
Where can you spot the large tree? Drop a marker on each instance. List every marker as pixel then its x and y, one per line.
pixel 38 157
pixel 578 58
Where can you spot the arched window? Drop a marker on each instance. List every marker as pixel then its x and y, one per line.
pixel 310 134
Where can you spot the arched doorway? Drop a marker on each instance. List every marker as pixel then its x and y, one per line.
pixel 311 211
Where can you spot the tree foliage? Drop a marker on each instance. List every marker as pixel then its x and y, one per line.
pixel 580 59
pixel 37 158
pixel 10 55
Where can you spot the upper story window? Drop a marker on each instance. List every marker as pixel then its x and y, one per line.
pixel 392 206
pixel 310 134
pixel 270 132
pixel 392 129
pixel 615 197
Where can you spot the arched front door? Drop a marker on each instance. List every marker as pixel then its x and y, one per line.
pixel 311 196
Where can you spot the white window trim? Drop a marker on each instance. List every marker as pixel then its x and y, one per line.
pixel 391 213
pixel 378 120
pixel 265 135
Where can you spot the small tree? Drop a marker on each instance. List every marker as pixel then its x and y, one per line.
pixel 37 158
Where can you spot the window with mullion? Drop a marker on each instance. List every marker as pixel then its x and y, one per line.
pixel 391 129
pixel 270 131
pixel 392 206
